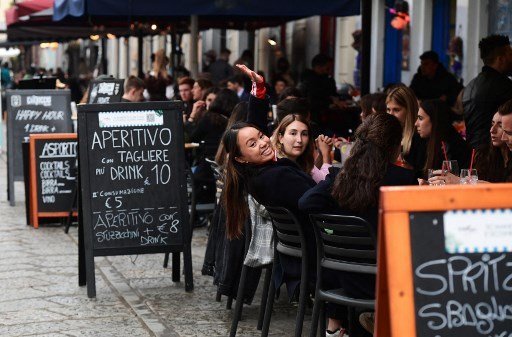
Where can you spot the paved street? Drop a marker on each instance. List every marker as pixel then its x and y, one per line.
pixel 39 293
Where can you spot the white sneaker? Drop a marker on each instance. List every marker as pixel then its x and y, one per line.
pixel 337 333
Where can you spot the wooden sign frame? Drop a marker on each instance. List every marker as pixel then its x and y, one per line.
pixel 34 211
pixel 395 308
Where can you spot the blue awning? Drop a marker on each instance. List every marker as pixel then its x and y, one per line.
pixel 64 8
pixel 211 8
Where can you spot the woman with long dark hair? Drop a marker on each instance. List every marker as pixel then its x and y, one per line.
pixel 443 142
pixel 492 161
pixel 252 168
pixel 354 190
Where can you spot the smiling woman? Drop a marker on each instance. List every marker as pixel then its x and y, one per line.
pixel 252 168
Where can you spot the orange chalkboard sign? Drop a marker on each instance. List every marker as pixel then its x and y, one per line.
pixel 445 261
pixel 52 175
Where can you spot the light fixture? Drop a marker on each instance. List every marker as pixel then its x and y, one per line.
pixel 272 41
pixel 94 37
pixel 153 27
pixel 111 36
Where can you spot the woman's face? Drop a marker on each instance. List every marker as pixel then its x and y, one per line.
pixel 423 124
pixel 279 87
pixel 496 130
pixel 294 140
pixel 396 110
pixel 197 92
pixel 209 99
pixel 255 147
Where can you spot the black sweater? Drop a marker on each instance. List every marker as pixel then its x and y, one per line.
pixel 319 199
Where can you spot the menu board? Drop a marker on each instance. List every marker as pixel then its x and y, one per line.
pixel 132 182
pixel 33 111
pixel 109 90
pixel 53 174
pixel 462 285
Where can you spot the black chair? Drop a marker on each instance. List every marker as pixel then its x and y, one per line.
pixel 346 244
pixel 290 240
pixel 237 315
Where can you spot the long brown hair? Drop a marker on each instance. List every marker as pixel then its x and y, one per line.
pixel 305 160
pixel 438 112
pixel 234 201
pixel 405 97
pixel 377 143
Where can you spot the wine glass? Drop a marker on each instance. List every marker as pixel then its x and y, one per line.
pixel 468 177
pixel 450 166
pixel 437 182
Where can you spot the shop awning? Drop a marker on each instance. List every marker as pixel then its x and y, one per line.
pixel 253 9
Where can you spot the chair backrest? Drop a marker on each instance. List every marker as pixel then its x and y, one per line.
pixel 288 230
pixel 345 243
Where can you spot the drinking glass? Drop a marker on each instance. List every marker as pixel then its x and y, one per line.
pixel 468 177
pixel 450 166
pixel 437 182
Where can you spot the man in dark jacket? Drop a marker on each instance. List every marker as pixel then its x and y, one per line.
pixel 490 89
pixel 318 86
pixel 433 81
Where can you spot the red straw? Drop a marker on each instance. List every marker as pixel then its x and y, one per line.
pixel 444 151
pixel 471 163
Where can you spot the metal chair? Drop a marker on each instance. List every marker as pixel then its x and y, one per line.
pixel 237 314
pixel 290 240
pixel 346 244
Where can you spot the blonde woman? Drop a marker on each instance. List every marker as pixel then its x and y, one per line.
pixel 402 103
pixel 158 79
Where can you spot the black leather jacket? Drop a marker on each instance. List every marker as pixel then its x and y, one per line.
pixel 481 99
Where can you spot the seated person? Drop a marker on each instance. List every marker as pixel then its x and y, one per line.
pixel 133 90
pixel 354 190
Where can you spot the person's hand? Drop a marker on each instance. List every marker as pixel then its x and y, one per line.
pixel 449 178
pixel 324 145
pixel 250 73
pixel 197 108
pixel 422 182
pixel 338 141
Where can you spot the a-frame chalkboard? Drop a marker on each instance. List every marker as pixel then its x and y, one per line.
pixel 105 91
pixel 28 112
pixel 133 186
pixel 52 175
pixel 445 261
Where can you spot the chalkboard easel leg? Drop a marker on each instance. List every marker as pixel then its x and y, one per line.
pixel 166 260
pixel 176 266
pixel 91 282
pixel 187 265
pixel 82 271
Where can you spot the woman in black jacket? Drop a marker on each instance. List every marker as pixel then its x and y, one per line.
pixel 354 190
pixel 252 168
pixel 443 141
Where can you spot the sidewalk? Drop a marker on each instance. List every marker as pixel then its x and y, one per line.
pixel 39 293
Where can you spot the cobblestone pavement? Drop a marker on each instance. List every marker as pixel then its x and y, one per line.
pixel 39 293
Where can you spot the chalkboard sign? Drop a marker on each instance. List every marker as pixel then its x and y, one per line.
pixel 109 90
pixel 461 294
pixel 33 111
pixel 132 175
pixel 445 261
pixel 53 175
